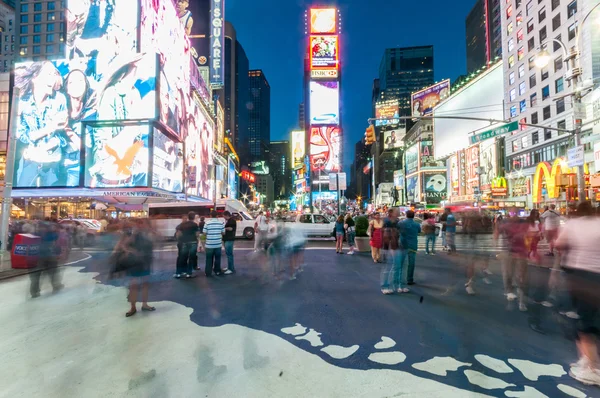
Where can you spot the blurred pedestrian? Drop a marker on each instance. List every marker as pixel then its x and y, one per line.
pixel 261 230
pixel 450 224
pixel 391 276
pixel 551 219
pixel 443 220
pixel 579 239
pixel 429 232
pixel 229 240
pixel 409 239
pixel 187 237
pixel 49 254
pixel 533 235
pixel 514 263
pixel 474 226
pixel 339 235
pixel 214 231
pixel 375 230
pixel 350 227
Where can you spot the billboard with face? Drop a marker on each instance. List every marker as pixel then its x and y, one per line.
pixel 167 163
pixel 298 148
pixel 392 139
pixel 487 162
pixel 325 150
pixel 387 110
pixel 199 141
pixel 56 97
pixel 324 103
pixel 194 16
pixel 413 193
pixel 323 20
pixel 324 52
pixel 423 102
pixel 435 187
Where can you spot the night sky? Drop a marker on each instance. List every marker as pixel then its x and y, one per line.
pixel 272 33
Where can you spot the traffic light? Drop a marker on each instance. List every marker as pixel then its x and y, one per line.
pixel 370 135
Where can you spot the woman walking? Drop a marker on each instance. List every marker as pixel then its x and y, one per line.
pixel 533 235
pixel 350 227
pixel 339 234
pixel 376 233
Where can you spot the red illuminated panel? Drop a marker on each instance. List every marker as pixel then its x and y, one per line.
pixel 325 145
pixel 324 52
pixel 323 20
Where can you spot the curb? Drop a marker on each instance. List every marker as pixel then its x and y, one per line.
pixel 15 272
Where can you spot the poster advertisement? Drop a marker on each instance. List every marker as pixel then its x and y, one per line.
pixel 412 189
pixel 399 179
pixel 324 52
pixel 324 103
pixel 423 102
pixel 232 189
pixel 387 110
pixel 323 20
pixel 427 159
pixel 392 139
pixel 167 163
pixel 412 159
pixel 298 148
pixel 435 187
pixel 194 17
pixel 325 150
pixel 472 170
pixel 453 171
pixel 117 156
pixel 57 96
pixel 487 162
pixel 199 141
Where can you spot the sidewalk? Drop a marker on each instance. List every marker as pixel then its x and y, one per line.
pixel 6 271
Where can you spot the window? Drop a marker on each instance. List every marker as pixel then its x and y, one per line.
pixel 522 88
pixel 556 22
pixel 50 38
pixel 556 44
pixel 524 143
pixel 519 19
pixel 520 53
pixel 24 18
pixel 50 27
pixel 571 9
pixel 517 3
pixel 535 138
pixel 37 49
pixel 522 126
pixel 558 64
pixel 572 31
pixel 306 219
pixel 509 28
pixel 555 3
pixel 512 94
pixel 528 7
pixel 544 73
pixel 37 17
pixel 511 61
pixel 558 85
pixel 513 111
pixel 545 92
pixel 24 8
pixel 515 146
pixel 23 51
pixel 50 6
pixel 520 35
pixel 532 81
pixel 530 26
pixel 546 112
pixel 532 62
pixel 50 48
pixel 511 44
pixel 547 134
pixel 320 219
pixel 50 16
pixel 36 38
pixel 543 34
pixel 531 44
pixel 509 11
pixel 23 40
pixel 542 15
pixel 24 29
pixel 37 7
pixel 522 106
pixel 560 106
pixel 533 99
pixel 521 70
pixel 561 125
pixel 37 28
pixel 534 118
pixel 511 78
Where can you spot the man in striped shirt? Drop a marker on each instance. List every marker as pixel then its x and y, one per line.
pixel 214 230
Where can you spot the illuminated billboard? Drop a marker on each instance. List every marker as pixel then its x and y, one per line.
pixel 472 169
pixel 487 162
pixel 324 74
pixel 231 179
pixel 392 139
pixel 298 148
pixel 199 141
pixel 412 159
pixel 167 163
pixel 194 16
pixel 423 102
pixel 56 97
pixel 217 43
pixel 387 110
pixel 324 103
pixel 324 52
pixel 323 20
pixel 435 187
pixel 325 145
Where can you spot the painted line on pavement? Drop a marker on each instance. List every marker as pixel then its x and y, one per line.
pixel 79 261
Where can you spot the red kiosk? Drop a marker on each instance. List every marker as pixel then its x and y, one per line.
pixel 26 251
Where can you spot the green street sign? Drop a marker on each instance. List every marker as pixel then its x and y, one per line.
pixel 506 128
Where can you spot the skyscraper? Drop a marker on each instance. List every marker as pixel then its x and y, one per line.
pixel 301 116
pixel 41 30
pixel 403 71
pixel 484 34
pixel 7 37
pixel 280 163
pixel 256 143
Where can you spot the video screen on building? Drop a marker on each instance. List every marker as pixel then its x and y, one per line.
pixel 232 179
pixel 199 141
pixel 298 148
pixel 325 146
pixel 167 163
pixel 117 156
pixel 323 20
pixel 55 97
pixel 324 103
pixel 324 51
pixel 387 113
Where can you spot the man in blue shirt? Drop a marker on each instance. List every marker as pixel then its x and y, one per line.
pixel 450 231
pixel 214 231
pixel 409 238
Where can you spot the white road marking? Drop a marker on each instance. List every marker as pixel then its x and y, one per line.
pixel 294 330
pixel 339 352
pixel 385 343
pixel 79 261
pixel 440 365
pixel 388 358
pixel 532 371
pixel 573 392
pixel 486 382
pixel 312 337
pixel 529 392
pixel 497 365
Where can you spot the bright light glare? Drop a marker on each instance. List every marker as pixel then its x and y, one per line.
pixel 542 59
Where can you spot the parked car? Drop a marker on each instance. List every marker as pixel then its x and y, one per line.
pixel 314 225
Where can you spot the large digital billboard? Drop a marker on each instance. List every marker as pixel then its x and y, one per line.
pixel 231 179
pixel 323 20
pixel 324 103
pixel 324 52
pixel 412 159
pixel 392 139
pixel 387 110
pixel 194 16
pixel 298 148
pixel 435 187
pixel 167 163
pixel 487 162
pixel 423 102
pixel 325 145
pixel 55 97
pixel 199 141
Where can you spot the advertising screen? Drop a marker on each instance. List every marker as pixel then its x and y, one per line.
pixel 487 162
pixel 194 16
pixel 324 103
pixel 298 148
pixel 423 102
pixel 217 43
pixel 472 169
pixel 427 159
pixel 323 20
pixel 387 110
pixel 324 52
pixel 55 97
pixel 325 143
pixel 412 159
pixel 392 139
pixel 453 173
pixel 117 156
pixel 435 187
pixel 199 141
pixel 231 179
pixel 413 193
pixel 167 163
pixel 399 179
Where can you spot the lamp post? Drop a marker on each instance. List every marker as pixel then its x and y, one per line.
pixel 574 71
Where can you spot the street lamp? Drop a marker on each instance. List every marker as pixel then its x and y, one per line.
pixel 542 59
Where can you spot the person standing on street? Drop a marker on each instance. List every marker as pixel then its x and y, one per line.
pixel 261 229
pixel 187 239
pixel 214 231
pixel 350 227
pixel 409 239
pixel 392 270
pixel 49 255
pixel 429 231
pixel 551 220
pixel 228 241
pixel 450 225
pixel 339 235
pixel 376 233
pixel 443 219
pixel 514 263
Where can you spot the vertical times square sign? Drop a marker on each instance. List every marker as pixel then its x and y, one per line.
pixel 217 44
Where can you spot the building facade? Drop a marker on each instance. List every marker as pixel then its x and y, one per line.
pixel 7 37
pixel 256 143
pixel 280 168
pixel 484 34
pixel 41 30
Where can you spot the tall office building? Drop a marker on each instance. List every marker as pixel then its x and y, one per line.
pixel 256 143
pixel 403 71
pixel 7 37
pixel 9 2
pixel 301 116
pixel 484 34
pixel 280 168
pixel 41 30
